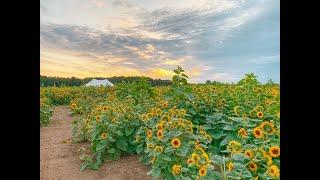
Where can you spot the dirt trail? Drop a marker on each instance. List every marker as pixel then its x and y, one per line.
pixel 59 160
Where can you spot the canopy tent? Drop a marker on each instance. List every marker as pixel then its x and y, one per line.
pixel 96 82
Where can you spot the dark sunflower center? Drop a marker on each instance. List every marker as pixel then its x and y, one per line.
pixel 175 143
pixel 258 132
pixel 275 151
pixel 272 171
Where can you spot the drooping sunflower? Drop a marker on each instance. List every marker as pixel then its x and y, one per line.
pixel 267 127
pixel 273 171
pixel 159 134
pixel 182 112
pixel 175 142
pixel 248 153
pixel 274 151
pixel 195 157
pixel 149 133
pixel 144 117
pixel 202 171
pixel 158 149
pixel 257 132
pixel 158 111
pixel 234 147
pixel 253 166
pixel 176 169
pixel 242 133
pixel 230 166
pixel 104 135
pixel 153 159
pixel 260 114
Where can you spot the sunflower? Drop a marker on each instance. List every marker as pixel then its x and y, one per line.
pixel 242 133
pixel 235 110
pixel 234 147
pixel 190 161
pixel 150 145
pixel 230 166
pixel 144 117
pixel 274 151
pixel 267 127
pixel 104 135
pixel 206 157
pixel 259 114
pixel 158 111
pixel 182 112
pixel 149 133
pixel 269 159
pixel 158 148
pixel 73 105
pixel 195 157
pixel 202 171
pixel 176 169
pixel 175 142
pixel 149 116
pixel 98 118
pixel 160 134
pixel 164 104
pixel 105 108
pixel 160 126
pixel 257 132
pixel 248 153
pixel 253 166
pixel 273 171
pixel 152 160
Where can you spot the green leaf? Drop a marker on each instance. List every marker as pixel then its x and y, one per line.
pixel 166 158
pixel 112 150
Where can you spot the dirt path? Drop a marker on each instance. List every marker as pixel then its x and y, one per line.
pixel 60 161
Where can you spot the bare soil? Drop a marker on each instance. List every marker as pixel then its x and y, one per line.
pixel 59 158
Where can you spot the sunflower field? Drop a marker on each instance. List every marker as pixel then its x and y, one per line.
pixel 182 131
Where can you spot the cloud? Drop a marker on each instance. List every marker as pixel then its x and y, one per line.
pixel 218 39
pixel 98 3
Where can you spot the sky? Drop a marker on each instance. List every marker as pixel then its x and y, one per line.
pixel 217 40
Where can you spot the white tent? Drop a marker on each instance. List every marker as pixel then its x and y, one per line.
pixel 96 82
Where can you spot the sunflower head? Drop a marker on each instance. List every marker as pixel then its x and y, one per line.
pixel 105 108
pixel 164 104
pixel 202 171
pixel 267 127
pixel 190 161
pixel 273 171
pixel 230 166
pixel 158 149
pixel 252 166
pixel 260 114
pixel 73 105
pixel 242 133
pixel 257 132
pixel 175 143
pixel 98 118
pixel 274 151
pixel 104 135
pixel 248 153
pixel 149 133
pixel 176 169
pixel 160 134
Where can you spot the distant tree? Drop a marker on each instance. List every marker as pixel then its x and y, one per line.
pixel 208 82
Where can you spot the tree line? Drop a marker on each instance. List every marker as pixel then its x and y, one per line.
pixel 46 81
